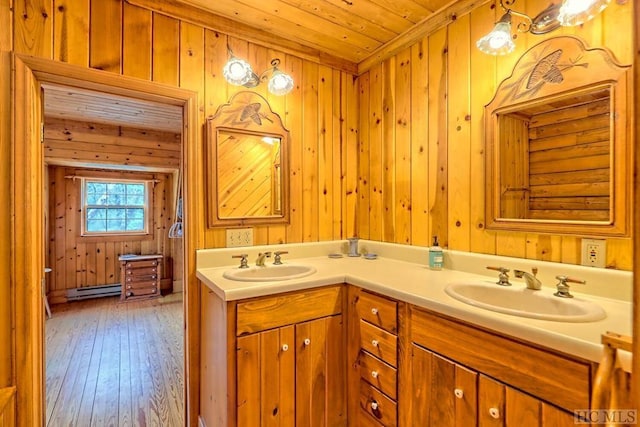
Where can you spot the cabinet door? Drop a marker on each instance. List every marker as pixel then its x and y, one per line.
pixel 501 405
pixel 320 373
pixel 443 392
pixel 266 378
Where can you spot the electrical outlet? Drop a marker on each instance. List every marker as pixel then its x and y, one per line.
pixel 237 237
pixel 594 252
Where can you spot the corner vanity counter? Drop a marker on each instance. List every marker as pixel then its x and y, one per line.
pixel 384 340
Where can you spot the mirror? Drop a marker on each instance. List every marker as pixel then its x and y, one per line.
pixel 247 164
pixel 557 151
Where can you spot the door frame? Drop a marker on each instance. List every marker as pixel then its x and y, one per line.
pixel 27 211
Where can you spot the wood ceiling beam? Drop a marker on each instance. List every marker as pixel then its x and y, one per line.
pixel 429 25
pixel 212 21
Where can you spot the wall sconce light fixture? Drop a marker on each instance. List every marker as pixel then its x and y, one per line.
pixel 238 72
pixel 567 13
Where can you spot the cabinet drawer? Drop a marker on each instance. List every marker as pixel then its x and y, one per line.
pixel 270 312
pixel 549 376
pixel 139 279
pixel 141 292
pixel 146 271
pixel 366 420
pixel 379 342
pixel 378 311
pixel 141 284
pixel 380 375
pixel 142 263
pixel 378 405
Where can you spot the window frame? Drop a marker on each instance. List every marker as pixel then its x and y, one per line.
pixel 148 209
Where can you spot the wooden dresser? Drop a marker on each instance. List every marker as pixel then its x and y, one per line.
pixel 140 276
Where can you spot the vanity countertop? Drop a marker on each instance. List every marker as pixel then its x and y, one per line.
pixel 415 283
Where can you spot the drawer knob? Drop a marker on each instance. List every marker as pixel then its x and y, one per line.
pixel 374 405
pixel 374 343
pixel 374 311
pixel 374 374
pixel 307 341
pixel 494 412
pixel 459 393
pixel 285 347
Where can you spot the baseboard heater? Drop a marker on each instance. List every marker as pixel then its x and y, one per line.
pixel 94 292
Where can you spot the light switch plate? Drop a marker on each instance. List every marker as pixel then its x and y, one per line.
pixel 594 252
pixel 237 237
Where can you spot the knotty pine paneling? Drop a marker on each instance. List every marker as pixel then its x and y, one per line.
pixel 447 95
pixel 149 45
pixel 81 262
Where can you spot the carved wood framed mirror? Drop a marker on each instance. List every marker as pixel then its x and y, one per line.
pixel 558 151
pixel 247 164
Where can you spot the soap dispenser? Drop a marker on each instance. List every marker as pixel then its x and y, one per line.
pixel 436 256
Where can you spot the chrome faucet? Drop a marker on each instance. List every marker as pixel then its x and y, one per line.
pixel 261 257
pixel 530 279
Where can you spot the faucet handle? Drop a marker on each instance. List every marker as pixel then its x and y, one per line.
pixel 276 257
pixel 503 277
pixel 563 287
pixel 243 260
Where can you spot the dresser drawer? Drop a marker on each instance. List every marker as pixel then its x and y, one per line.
pixel 141 284
pixel 145 278
pixel 378 311
pixel 378 405
pixel 145 271
pixel 142 263
pixel 379 342
pixel 380 375
pixel 141 292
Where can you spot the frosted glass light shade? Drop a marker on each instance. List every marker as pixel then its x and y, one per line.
pixel 576 12
pixel 280 83
pixel 237 71
pixel 498 41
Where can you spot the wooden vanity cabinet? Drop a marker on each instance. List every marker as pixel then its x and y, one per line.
pixel 283 364
pixel 463 375
pixel 373 359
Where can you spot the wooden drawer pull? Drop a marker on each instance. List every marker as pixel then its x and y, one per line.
pixel 459 393
pixel 307 341
pixel 494 412
pixel 374 343
pixel 374 405
pixel 374 374
pixel 374 311
pixel 285 347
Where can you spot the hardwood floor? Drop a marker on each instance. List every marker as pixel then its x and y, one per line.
pixel 115 364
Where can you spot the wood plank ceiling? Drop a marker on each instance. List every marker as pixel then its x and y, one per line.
pixel 349 29
pixel 350 35
pixel 82 105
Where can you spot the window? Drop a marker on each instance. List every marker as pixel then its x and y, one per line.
pixel 114 207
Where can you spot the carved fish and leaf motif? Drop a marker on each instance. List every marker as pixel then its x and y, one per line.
pixel 244 115
pixel 549 69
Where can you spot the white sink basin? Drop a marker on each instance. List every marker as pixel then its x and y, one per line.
pixel 269 273
pixel 519 301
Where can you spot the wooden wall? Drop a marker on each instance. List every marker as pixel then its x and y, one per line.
pixel 421 170
pixel 86 261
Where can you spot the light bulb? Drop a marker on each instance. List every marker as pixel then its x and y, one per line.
pixel 237 71
pixel 498 41
pixel 280 83
pixel 576 12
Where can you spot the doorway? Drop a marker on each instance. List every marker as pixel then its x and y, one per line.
pixel 112 174
pixel 27 210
